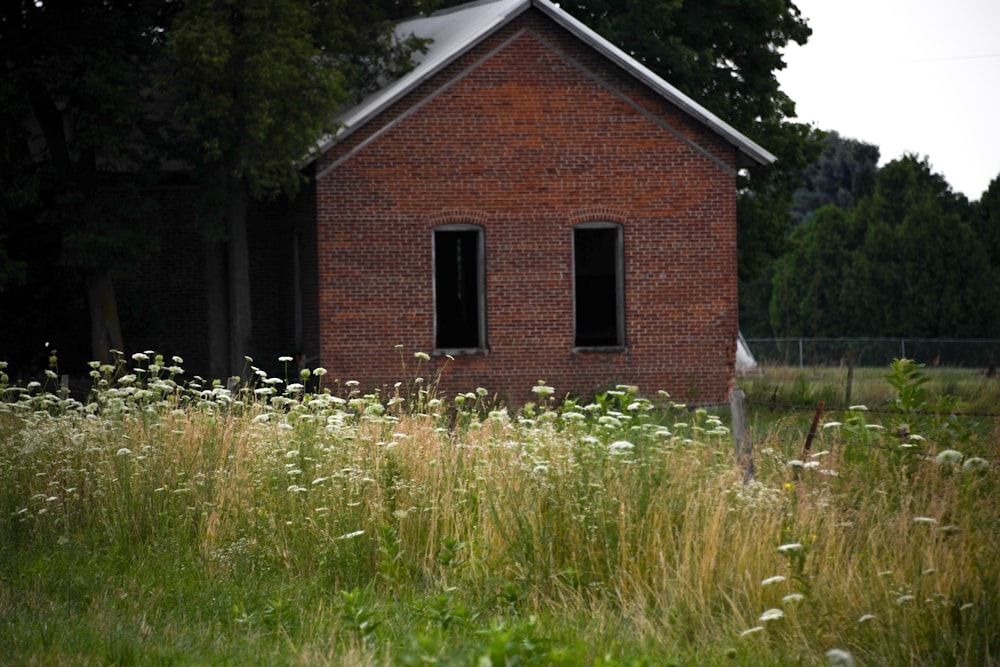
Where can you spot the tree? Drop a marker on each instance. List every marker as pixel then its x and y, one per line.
pixel 76 74
pixel 842 175
pixel 256 85
pixel 906 261
pixel 811 295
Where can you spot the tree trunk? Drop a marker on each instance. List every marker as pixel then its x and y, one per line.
pixel 217 293
pixel 240 328
pixel 105 327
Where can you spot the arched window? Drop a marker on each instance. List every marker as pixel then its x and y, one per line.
pixel 459 288
pixel 598 285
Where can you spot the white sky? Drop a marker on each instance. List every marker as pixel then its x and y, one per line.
pixel 910 76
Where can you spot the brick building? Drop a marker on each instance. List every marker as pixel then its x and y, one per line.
pixel 536 204
pixel 528 201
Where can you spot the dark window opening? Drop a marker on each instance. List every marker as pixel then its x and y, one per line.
pixel 598 293
pixel 458 293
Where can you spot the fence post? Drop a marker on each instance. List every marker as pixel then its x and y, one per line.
pixel 800 353
pixel 741 434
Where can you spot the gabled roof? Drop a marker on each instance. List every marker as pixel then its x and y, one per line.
pixel 454 31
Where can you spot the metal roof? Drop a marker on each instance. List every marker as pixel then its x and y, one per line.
pixel 454 31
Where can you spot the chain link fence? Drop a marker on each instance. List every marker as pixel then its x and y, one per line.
pixel 959 352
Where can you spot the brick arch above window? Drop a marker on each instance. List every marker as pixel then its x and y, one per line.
pixel 458 216
pixel 598 214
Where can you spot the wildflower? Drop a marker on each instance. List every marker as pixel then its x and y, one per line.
pixel 542 390
pixel 772 580
pixel 903 599
pixel 924 519
pixel 837 657
pixel 866 618
pixel 284 360
pixel 785 548
pixel 948 457
pixel 771 615
pixel 422 356
pixel 348 536
pixel 975 464
pixel 124 451
pixel 752 630
pixel 140 356
pixel 831 424
pixel 319 372
pixel 621 447
pixel 858 408
pixel 793 597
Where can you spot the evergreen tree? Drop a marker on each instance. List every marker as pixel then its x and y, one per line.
pixel 843 174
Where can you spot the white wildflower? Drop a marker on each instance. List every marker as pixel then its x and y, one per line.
pixel 771 615
pixel 837 657
pixel 621 447
pixel 349 536
pixel 948 457
pixel 975 464
pixel 777 579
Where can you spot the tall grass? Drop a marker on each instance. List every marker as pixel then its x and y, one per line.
pixel 169 523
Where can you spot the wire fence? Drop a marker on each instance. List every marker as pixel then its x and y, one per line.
pixel 802 351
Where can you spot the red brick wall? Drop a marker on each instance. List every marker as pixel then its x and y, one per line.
pixel 526 135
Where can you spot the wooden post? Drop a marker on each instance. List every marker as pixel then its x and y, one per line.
pixel 741 434
pixel 812 429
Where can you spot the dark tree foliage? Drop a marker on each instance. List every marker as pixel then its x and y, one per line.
pixel 255 85
pixel 77 75
pixel 843 174
pixel 97 95
pixel 986 220
pixel 907 260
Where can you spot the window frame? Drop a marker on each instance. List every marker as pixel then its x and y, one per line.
pixel 619 270
pixel 480 286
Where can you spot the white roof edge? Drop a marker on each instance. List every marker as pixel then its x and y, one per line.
pixel 358 115
pixel 643 73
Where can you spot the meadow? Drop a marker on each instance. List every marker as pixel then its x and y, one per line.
pixel 302 520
